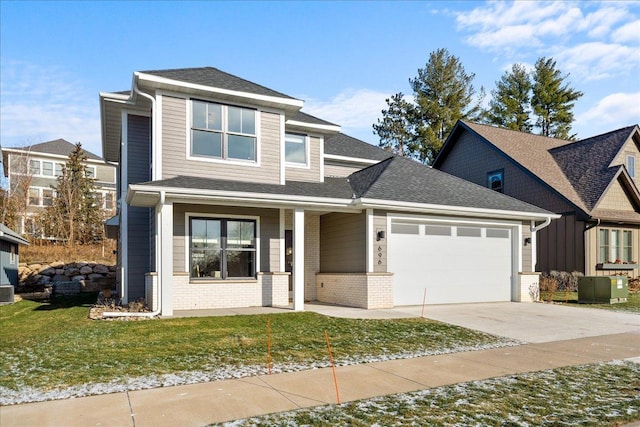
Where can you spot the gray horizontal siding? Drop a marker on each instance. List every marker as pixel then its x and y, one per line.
pixel 343 243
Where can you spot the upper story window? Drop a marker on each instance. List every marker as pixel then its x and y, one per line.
pixel 223 131
pixel 295 148
pixel 34 167
pixel 631 165
pixel 90 171
pixel 495 180
pixel 45 168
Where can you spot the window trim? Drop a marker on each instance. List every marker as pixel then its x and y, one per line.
pixel 187 245
pixel 620 246
pixel 631 170
pixel 224 132
pixel 496 172
pixel 307 151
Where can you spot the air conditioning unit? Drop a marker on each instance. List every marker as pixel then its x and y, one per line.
pixel 603 289
pixel 6 294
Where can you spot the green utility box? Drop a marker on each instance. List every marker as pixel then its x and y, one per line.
pixel 603 289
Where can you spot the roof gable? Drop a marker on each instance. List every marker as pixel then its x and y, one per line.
pixel 347 146
pixel 58 147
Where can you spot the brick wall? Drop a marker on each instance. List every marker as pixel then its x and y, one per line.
pixel 311 255
pixel 363 290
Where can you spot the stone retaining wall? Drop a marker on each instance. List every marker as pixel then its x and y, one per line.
pixel 91 276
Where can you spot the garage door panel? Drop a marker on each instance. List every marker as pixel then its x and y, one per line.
pixel 453 269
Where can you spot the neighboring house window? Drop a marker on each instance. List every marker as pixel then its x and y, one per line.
pixel 495 181
pixel 222 248
pixel 34 167
pixel 615 245
pixel 58 169
pixel 97 198
pixel 12 255
pixel 34 196
pixel 47 168
pixel 631 165
pixel 90 171
pixel 223 131
pixel 47 197
pixel 108 204
pixel 295 148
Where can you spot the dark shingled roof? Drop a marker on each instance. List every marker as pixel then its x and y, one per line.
pixel 586 163
pixel 345 145
pixel 394 179
pixel 58 146
pixel 210 76
pixel 308 118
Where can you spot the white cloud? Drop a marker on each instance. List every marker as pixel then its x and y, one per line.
pixel 597 60
pixel 352 109
pixel 629 32
pixel 40 104
pixel 613 111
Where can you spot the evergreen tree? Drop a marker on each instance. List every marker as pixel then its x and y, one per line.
pixel 509 106
pixel 443 94
pixel 73 215
pixel 552 100
pixel 396 130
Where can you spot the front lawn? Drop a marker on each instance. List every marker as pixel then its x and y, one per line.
pixel 604 394
pixel 52 350
pixel 632 305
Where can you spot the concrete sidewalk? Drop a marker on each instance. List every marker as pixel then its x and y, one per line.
pixel 201 404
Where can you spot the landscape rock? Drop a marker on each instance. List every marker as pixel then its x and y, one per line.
pixel 101 269
pixel 86 270
pixel 92 276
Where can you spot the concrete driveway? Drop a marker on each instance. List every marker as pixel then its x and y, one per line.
pixel 528 322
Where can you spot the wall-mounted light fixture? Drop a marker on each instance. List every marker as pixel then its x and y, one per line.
pixel 380 235
pixel 527 241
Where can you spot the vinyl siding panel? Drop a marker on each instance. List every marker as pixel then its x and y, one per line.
pixel 471 159
pixel 379 246
pixel 176 140
pixel 616 199
pixel 105 174
pixel 560 246
pixel 630 148
pixel 269 224
pixel 343 243
pixel 138 219
pixel 312 173
pixel 526 250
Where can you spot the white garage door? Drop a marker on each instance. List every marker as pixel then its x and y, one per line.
pixel 454 263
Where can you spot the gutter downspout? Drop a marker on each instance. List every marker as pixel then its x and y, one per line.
pixel 110 314
pixel 541 226
pixel 587 243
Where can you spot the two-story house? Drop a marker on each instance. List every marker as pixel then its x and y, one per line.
pixel 592 183
pixel 231 196
pixel 34 169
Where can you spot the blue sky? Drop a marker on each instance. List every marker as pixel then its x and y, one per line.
pixel 342 58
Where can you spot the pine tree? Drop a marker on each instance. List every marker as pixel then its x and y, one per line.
pixel 552 100
pixel 396 128
pixel 73 215
pixel 509 106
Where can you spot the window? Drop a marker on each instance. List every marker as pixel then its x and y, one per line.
pixel 58 169
pixel 34 196
pixel 615 245
pixel 97 200
pixel 47 197
pixel 295 148
pixel 47 168
pixel 495 181
pixel 222 248
pixel 12 255
pixel 90 171
pixel 469 232
pixel 437 230
pixel 631 165
pixel 108 204
pixel 497 233
pixel 34 167
pixel 222 131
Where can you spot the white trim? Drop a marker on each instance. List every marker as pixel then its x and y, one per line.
pixel 156 149
pixel 534 246
pixel 351 159
pixel 369 240
pixel 330 128
pixel 322 155
pixel 298 259
pixel 187 236
pixel 307 154
pixel 283 169
pixel 162 80
pixel 164 255
pixel 281 249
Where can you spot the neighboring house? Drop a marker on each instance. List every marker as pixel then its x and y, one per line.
pixel 592 183
pixel 10 242
pixel 251 202
pixel 38 166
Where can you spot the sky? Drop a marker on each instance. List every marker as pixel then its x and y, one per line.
pixel 342 58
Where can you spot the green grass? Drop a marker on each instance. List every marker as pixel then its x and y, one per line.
pixel 606 394
pixel 53 345
pixel 632 305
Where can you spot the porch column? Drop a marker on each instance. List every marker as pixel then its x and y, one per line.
pixel 298 259
pixel 164 263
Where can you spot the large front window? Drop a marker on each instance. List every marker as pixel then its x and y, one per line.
pixel 223 131
pixel 222 248
pixel 615 246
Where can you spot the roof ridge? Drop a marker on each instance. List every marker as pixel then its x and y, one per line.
pixel 362 180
